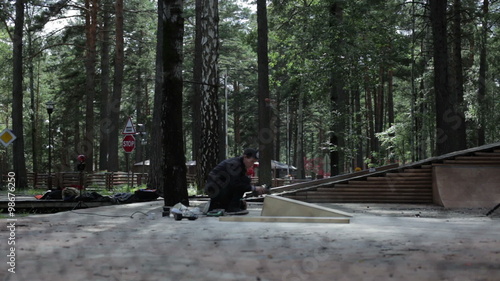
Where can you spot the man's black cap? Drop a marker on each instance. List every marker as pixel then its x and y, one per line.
pixel 250 152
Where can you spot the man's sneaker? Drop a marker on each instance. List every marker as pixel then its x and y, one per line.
pixel 215 213
pixel 236 212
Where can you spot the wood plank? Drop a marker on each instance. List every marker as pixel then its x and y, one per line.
pixel 283 219
pixel 364 194
pixel 372 190
pixel 391 179
pixel 376 189
pixel 327 199
pixel 366 200
pixel 492 154
pixel 421 170
pixel 369 193
pixel 385 183
pixel 478 158
pixel 471 162
pixel 369 198
pixel 408 175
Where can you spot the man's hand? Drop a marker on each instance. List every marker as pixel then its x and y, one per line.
pixel 261 189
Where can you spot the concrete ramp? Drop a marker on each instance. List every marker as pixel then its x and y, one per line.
pixel 466 186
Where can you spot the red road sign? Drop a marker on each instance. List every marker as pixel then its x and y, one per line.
pixel 128 143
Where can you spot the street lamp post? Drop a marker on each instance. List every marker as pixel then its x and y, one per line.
pixel 50 109
pixel 226 137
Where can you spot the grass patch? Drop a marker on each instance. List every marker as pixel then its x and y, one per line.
pixel 192 191
pixel 121 189
pixel 25 192
pixel 18 214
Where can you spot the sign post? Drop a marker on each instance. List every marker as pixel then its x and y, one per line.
pixel 128 143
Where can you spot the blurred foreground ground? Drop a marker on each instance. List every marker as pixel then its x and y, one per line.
pixel 382 242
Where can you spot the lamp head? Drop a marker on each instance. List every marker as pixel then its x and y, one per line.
pixel 50 107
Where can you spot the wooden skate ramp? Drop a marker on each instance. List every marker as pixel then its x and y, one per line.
pixel 467 178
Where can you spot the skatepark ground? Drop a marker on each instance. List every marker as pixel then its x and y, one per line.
pixel 381 242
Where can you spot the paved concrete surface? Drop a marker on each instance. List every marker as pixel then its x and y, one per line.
pixel 382 242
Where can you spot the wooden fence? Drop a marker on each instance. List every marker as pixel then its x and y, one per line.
pixel 108 180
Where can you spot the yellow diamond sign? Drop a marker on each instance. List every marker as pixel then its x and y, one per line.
pixel 7 137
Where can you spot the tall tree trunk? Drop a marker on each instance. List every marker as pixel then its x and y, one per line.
pixel 379 102
pixel 414 138
pixel 277 121
pixel 115 103
pixel 208 154
pixel 483 68
pixel 337 101
pixel 105 124
pixel 141 98
pixel 222 125
pixel 87 148
pixel 197 74
pixel 390 98
pixel 441 88
pixel 419 122
pixel 174 168
pixel 424 127
pixel 266 134
pixel 301 174
pixel 337 93
pixel 378 110
pixel 359 129
pixel 457 78
pixel 33 107
pixel 156 179
pixel 390 111
pixel 17 99
pixel 294 139
pixel 371 139
pixel 236 117
pixel 448 121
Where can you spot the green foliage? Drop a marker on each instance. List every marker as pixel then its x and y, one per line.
pixel 5 80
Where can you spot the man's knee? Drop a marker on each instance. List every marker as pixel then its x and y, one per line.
pixel 212 190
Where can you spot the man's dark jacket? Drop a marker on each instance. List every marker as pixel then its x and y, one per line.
pixel 227 183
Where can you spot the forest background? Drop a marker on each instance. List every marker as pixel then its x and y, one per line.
pixel 350 83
